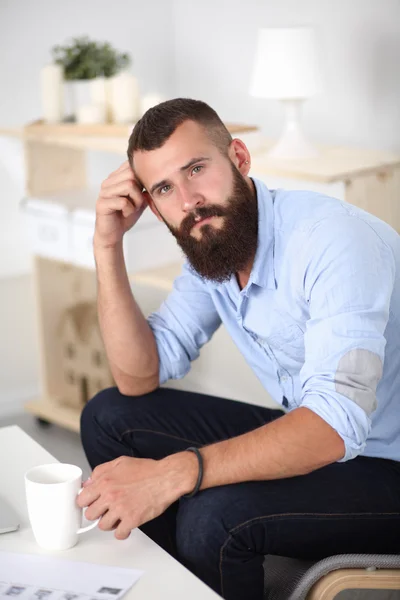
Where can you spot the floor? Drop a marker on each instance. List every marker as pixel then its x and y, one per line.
pixel 62 444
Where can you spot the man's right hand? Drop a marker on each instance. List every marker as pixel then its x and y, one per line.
pixel 119 206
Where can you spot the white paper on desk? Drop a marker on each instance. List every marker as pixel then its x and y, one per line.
pixel 38 577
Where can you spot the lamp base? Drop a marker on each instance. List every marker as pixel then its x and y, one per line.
pixel 292 144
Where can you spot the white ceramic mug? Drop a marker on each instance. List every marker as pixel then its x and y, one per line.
pixel 51 494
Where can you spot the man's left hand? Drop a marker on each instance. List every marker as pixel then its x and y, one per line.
pixel 128 492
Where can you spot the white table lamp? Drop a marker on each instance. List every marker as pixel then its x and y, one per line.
pixel 285 68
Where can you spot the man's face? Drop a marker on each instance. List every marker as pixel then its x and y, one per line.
pixel 203 199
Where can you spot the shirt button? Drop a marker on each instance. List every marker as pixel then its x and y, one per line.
pixel 284 378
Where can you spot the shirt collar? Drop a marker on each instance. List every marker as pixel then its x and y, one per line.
pixel 263 271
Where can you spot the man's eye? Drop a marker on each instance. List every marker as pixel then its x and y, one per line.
pixel 197 169
pixel 165 189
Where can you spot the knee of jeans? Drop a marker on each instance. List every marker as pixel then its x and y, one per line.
pixel 109 407
pixel 98 409
pixel 202 527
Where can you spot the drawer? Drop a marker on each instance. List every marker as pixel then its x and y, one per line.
pixel 82 231
pixel 149 244
pixel 48 231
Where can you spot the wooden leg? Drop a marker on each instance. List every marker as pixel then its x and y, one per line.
pixel 344 579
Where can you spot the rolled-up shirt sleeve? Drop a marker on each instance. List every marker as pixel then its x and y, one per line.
pixel 348 282
pixel 186 320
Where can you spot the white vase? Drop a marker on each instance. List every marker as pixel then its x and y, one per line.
pixel 91 114
pixel 125 101
pixel 100 93
pixel 77 93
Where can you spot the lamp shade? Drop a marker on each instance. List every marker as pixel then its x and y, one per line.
pixel 285 64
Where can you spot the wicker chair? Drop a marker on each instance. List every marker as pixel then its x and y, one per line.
pixel 292 579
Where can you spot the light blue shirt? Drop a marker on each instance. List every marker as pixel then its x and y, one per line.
pixel 318 321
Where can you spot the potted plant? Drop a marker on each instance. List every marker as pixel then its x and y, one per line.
pixel 88 65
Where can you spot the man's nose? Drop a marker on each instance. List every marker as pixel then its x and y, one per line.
pixel 190 199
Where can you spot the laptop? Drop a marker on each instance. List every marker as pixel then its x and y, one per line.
pixel 8 517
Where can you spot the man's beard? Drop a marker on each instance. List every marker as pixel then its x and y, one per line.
pixel 222 252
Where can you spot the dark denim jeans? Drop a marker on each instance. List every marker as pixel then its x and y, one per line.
pixel 223 533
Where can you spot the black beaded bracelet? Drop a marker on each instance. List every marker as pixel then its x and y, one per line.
pixel 200 475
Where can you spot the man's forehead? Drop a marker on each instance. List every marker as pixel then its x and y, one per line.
pixel 188 141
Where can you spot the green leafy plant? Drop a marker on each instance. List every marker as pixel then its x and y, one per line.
pixel 86 59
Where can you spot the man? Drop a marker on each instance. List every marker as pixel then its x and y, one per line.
pixel 308 288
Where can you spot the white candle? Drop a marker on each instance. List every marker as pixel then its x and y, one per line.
pixel 91 114
pixel 51 80
pixel 125 98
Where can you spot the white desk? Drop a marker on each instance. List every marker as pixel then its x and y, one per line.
pixel 163 576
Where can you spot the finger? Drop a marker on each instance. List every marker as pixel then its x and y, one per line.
pixel 116 180
pixel 139 211
pixel 109 206
pixel 123 530
pixel 121 188
pixel 126 189
pixel 125 175
pixel 124 172
pixel 97 509
pixel 123 167
pixel 88 495
pixel 109 521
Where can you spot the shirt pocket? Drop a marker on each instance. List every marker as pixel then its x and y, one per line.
pixel 287 341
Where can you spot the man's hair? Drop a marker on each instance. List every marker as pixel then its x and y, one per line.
pixel 160 122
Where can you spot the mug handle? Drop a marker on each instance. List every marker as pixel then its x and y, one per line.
pixel 89 527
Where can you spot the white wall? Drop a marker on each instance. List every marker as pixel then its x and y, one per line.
pixel 359 43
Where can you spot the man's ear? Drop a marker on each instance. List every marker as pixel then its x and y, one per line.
pixel 152 206
pixel 240 156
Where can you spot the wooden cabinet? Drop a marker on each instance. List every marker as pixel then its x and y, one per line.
pixel 367 179
pixel 377 192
